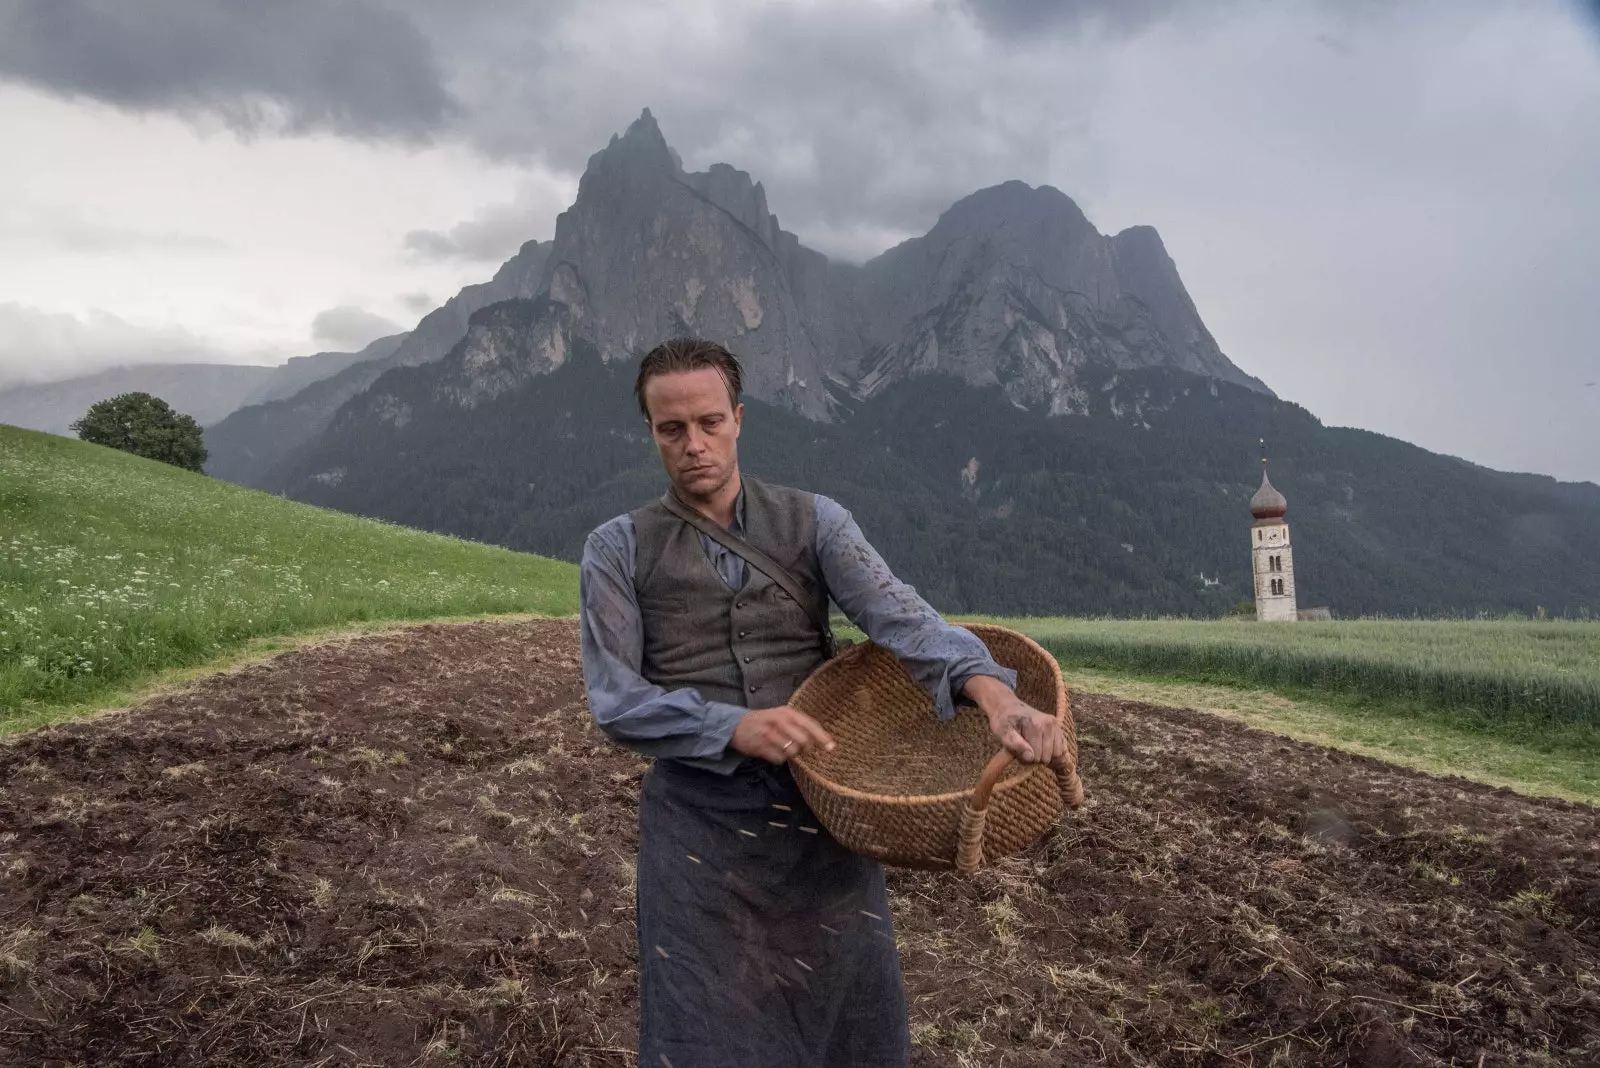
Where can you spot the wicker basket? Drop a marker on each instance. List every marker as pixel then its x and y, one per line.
pixel 916 792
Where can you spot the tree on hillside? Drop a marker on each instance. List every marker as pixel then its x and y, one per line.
pixel 145 426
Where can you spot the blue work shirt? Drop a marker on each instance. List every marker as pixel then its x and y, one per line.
pixel 681 724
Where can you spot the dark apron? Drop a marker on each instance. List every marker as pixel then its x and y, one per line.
pixel 763 943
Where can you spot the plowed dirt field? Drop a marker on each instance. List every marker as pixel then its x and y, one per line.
pixel 413 848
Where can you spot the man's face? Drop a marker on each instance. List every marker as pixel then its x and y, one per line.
pixel 696 427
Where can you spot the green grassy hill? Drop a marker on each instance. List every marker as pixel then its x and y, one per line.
pixel 114 568
pixel 1538 671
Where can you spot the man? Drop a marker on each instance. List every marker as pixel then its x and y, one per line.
pixel 763 943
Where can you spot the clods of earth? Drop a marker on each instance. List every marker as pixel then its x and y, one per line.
pixel 414 849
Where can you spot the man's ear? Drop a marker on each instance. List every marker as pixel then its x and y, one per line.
pixel 738 418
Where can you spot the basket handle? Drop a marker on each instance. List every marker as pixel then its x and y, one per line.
pixel 969 843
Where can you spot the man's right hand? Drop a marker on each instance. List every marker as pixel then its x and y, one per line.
pixel 776 734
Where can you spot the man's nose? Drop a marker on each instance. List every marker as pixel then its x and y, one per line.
pixel 696 440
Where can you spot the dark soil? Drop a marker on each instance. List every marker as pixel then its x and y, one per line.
pixel 413 848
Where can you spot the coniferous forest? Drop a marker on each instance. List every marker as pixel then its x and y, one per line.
pixel 1137 508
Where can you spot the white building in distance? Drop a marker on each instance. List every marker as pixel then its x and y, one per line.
pixel 1271 555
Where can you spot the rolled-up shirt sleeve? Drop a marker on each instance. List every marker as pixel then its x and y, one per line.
pixel 939 656
pixel 632 711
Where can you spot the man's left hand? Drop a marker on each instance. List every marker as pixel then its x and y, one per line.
pixel 1032 736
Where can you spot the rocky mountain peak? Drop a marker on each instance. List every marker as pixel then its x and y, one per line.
pixel 736 193
pixel 1014 212
pixel 647 252
pixel 640 153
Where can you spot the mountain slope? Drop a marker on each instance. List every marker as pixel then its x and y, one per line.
pixel 1014 286
pixel 1030 416
pixel 1137 505
pixel 253 440
pixel 298 372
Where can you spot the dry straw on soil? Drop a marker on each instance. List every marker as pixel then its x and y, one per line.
pixel 413 848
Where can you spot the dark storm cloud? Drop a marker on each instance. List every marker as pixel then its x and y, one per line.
pixel 352 67
pixel 863 121
pixel 1016 18
pixel 349 329
pixel 1371 202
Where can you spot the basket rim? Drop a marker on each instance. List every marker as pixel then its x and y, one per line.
pixel 955 795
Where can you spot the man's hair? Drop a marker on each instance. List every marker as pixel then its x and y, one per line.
pixel 689 354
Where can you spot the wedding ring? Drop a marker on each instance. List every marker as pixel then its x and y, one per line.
pixel 787 744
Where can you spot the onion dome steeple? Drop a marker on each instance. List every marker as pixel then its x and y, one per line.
pixel 1268 503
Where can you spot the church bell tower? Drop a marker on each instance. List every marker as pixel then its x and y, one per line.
pixel 1270 553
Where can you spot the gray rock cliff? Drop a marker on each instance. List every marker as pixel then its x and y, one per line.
pixel 253 440
pixel 1013 286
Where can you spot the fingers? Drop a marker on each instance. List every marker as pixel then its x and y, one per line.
pixel 1045 736
pixel 1019 746
pixel 777 734
pixel 812 730
pixel 1030 735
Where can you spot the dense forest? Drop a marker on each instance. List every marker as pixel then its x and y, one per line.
pixel 1138 507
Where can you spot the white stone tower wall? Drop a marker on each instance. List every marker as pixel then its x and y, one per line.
pixel 1268 540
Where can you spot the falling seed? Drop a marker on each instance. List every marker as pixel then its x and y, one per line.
pixel 782 808
pixel 747 834
pixel 775 823
pixel 665 1062
pixel 809 830
pixel 872 915
pixel 804 965
pixel 692 857
pixel 780 979
pixel 825 927
pixel 663 953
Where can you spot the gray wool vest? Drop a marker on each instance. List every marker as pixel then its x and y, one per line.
pixel 752 646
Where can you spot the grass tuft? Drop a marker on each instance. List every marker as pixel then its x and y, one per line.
pixel 115 569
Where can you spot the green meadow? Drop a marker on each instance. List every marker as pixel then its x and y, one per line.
pixel 115 569
pixel 119 573
pixel 1513 703
pixel 1535 671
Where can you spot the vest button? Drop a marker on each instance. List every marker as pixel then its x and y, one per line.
pixel 742 634
pixel 747 660
pixel 738 604
pixel 753 689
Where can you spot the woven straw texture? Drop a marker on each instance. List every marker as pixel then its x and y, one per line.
pixel 900 784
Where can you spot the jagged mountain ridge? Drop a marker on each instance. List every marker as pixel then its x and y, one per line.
pixel 253 440
pixel 1105 474
pixel 1012 286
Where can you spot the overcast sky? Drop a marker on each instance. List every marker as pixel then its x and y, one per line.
pixel 1387 210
